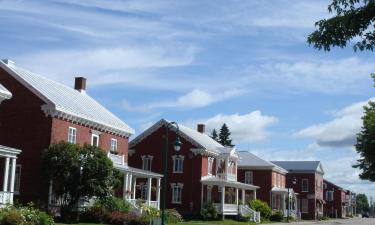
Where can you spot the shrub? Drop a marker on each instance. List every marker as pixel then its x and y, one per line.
pixel 11 215
pixel 113 204
pixel 209 211
pixel 277 216
pixel 262 207
pixel 325 218
pixel 134 219
pixel 173 216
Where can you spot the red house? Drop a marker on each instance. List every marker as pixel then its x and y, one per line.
pixel 272 180
pixel 42 112
pixel 309 186
pixel 335 198
pixel 201 171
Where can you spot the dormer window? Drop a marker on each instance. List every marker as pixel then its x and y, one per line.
pixel 147 162
pixel 72 135
pixel 178 163
pixel 95 140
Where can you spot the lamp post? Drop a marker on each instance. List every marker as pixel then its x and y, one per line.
pixel 294 181
pixel 177 147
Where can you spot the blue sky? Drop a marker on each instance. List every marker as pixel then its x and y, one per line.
pixel 245 63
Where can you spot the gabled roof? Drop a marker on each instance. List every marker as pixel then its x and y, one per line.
pixel 249 160
pixel 335 185
pixel 301 166
pixel 4 93
pixel 201 140
pixel 65 102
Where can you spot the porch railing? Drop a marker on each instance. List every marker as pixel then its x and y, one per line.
pixel 228 208
pixel 117 159
pixel 6 197
pixel 231 177
pixel 254 216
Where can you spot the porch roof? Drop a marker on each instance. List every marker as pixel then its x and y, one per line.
pixel 9 152
pixel 221 182
pixel 137 172
pixel 282 190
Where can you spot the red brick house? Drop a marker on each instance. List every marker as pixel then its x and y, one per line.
pixel 272 180
pixel 10 162
pixel 309 186
pixel 335 198
pixel 201 171
pixel 42 112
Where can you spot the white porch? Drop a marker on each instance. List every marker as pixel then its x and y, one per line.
pixel 229 197
pixel 282 203
pixel 132 177
pixel 10 162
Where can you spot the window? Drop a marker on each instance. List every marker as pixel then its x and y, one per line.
pixel 329 196
pixel 274 179
pixel 144 192
pixel 210 165
pixel 176 193
pixel 249 177
pixel 325 185
pixel 147 162
pixel 178 163
pixel 305 185
pixel 72 135
pixel 17 181
pixel 113 145
pixel 95 140
pixel 305 205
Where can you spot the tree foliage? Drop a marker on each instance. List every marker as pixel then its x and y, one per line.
pixel 362 203
pixel 214 135
pixel 78 173
pixel 224 136
pixel 353 19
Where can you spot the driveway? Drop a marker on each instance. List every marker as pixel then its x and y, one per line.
pixel 353 221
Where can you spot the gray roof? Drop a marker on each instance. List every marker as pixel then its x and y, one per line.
pixel 201 140
pixel 4 93
pixel 249 160
pixel 300 166
pixel 68 101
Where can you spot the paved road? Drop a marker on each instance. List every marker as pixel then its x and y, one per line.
pixel 354 221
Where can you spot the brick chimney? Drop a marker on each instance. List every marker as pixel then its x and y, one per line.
pixel 80 84
pixel 201 128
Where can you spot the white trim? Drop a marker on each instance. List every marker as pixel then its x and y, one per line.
pixel 307 186
pixel 114 149
pixel 179 159
pixel 247 177
pixel 72 137
pixel 97 138
pixel 178 188
pixel 147 162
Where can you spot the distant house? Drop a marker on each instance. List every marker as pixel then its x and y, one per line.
pixel 42 112
pixel 309 186
pixel 11 173
pixel 335 198
pixel 202 171
pixel 350 203
pixel 272 180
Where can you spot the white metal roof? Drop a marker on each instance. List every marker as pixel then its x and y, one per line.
pixel 4 93
pixel 64 99
pixel 301 166
pixel 228 183
pixel 198 139
pixel 249 160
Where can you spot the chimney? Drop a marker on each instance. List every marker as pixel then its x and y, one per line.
pixel 201 128
pixel 80 84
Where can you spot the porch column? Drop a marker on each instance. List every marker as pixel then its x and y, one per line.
pixel 134 187
pixel 124 188
pixel 202 187
pixel 149 183
pixel 237 197
pixel 130 186
pixel 222 200
pixel 255 194
pixel 158 192
pixel 243 196
pixel 12 179
pixel 226 167
pixel 50 193
pixel 283 202
pixel 6 173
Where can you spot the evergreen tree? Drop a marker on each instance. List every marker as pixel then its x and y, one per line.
pixel 224 136
pixel 214 135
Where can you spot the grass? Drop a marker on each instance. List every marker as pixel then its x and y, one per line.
pixel 193 222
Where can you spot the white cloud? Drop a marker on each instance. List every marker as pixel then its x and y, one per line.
pixel 246 128
pixel 341 131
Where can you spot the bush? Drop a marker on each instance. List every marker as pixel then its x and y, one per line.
pixel 173 216
pixel 134 219
pixel 11 215
pixel 209 212
pixel 113 204
pixel 262 207
pixel 325 218
pixel 277 216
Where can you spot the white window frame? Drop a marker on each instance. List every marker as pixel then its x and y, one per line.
pixel 304 205
pixel 305 188
pixel 210 164
pixel 92 140
pixel 177 193
pixel 178 163
pixel 72 135
pixel 114 145
pixel 249 177
pixel 17 179
pixel 147 162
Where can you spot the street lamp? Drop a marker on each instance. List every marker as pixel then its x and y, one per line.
pixel 294 181
pixel 177 147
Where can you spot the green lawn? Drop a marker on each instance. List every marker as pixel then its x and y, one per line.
pixel 193 222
